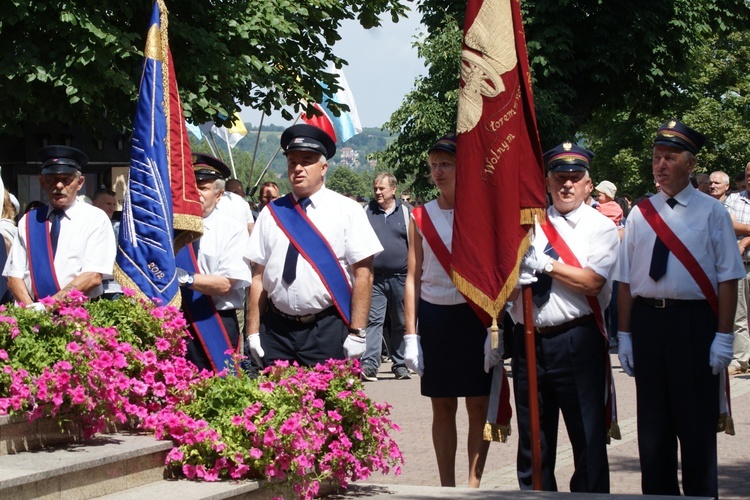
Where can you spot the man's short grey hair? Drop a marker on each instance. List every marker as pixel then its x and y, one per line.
pixel 385 175
pixel 219 185
pixel 723 175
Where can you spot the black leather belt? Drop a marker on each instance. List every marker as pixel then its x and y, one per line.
pixel 664 303
pixel 305 318
pixel 546 330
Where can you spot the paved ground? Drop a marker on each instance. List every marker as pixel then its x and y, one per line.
pixel 411 411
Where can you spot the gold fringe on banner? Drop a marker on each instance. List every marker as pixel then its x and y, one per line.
pixel 531 215
pixel 496 432
pixel 726 424
pixel 492 307
pixel 125 282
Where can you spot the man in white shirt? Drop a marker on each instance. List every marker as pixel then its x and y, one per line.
pixel 79 236
pixel 223 261
pixel 298 311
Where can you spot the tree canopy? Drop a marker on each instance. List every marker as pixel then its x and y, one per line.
pixel 78 61
pixel 604 73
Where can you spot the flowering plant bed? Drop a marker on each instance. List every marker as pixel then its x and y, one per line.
pixel 98 363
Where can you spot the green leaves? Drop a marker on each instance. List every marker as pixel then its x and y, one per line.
pixel 264 54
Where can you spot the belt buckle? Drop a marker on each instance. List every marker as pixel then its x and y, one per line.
pixel 307 318
pixel 660 303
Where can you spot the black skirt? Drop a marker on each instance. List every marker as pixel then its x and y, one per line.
pixel 452 339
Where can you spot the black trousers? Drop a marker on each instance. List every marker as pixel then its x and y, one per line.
pixel 195 351
pixel 678 398
pixel 571 380
pixel 307 344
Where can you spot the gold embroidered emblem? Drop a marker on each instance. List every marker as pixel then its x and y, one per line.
pixel 672 124
pixel 492 39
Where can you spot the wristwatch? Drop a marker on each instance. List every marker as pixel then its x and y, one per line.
pixel 359 332
pixel 548 266
pixel 190 280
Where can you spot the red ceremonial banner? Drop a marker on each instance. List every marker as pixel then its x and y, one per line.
pixel 186 204
pixel 499 168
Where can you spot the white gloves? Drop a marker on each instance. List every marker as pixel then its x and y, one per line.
pixel 493 356
pixel 625 351
pixel 526 276
pixel 37 306
pixel 721 352
pixel 413 354
pixel 354 347
pixel 534 261
pixel 252 345
pixel 184 277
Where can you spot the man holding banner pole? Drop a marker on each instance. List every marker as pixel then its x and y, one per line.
pixel 573 255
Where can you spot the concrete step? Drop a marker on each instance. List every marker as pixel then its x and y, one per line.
pixel 17 434
pixel 191 490
pixel 89 469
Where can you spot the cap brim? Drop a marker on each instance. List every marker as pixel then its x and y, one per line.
pixel 304 148
pixel 569 167
pixel 440 147
pixel 59 169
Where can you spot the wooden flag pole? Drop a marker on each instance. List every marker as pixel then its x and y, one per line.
pixel 530 345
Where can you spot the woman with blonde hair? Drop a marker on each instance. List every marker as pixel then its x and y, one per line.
pixel 445 339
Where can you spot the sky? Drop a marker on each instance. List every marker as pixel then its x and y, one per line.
pixel 382 68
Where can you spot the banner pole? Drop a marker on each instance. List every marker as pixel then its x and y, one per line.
pixel 530 345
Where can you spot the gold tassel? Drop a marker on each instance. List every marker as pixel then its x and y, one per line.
pixel 726 424
pixel 614 432
pixel 496 432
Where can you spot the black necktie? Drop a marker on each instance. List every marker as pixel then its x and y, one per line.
pixel 660 253
pixel 54 232
pixel 541 289
pixel 290 263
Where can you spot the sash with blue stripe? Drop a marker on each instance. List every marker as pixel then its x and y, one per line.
pixel 41 261
pixel 293 221
pixel 200 311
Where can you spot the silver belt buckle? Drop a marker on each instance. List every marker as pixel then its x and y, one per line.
pixel 660 303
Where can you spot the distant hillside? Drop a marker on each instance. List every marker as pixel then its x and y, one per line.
pixel 352 153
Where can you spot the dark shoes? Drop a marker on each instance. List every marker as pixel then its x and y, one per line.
pixel 401 373
pixel 369 373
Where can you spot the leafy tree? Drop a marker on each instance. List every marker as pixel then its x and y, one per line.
pixel 428 112
pixel 79 61
pixel 715 94
pixel 346 181
pixel 603 72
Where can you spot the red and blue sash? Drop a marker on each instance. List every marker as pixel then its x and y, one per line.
pixel 292 220
pixel 201 314
pixel 41 261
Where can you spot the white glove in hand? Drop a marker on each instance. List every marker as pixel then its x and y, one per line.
pixel 721 352
pixel 37 306
pixel 535 261
pixel 526 276
pixel 252 345
pixel 413 354
pixel 354 347
pixel 492 356
pixel 625 351
pixel 183 277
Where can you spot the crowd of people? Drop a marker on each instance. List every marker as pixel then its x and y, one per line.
pixel 314 275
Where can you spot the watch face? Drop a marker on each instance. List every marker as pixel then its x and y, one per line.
pixel 548 267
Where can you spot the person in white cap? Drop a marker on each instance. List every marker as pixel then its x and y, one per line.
pixel 605 196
